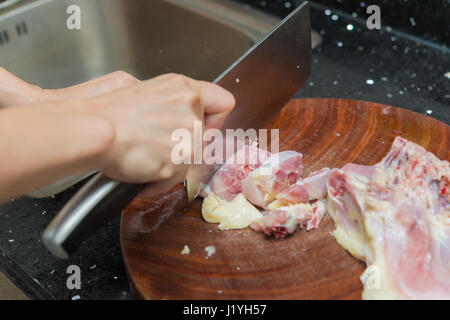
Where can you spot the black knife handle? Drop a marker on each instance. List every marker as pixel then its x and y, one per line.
pixel 96 203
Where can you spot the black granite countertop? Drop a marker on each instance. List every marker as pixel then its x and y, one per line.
pixel 352 62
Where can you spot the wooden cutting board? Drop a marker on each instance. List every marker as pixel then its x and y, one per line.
pixel 247 265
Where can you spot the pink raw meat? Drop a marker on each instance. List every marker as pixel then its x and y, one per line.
pixel 288 219
pixel 227 181
pixel 403 217
pixel 310 188
pixel 275 174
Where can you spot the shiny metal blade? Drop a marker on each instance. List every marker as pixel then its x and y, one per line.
pixel 262 81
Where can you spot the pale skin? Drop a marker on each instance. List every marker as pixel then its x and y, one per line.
pixel 115 124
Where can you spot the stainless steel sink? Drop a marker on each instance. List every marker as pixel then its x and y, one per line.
pixel 199 38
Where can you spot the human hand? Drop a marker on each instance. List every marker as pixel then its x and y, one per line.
pixel 143 118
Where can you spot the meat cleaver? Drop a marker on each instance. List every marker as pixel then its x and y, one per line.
pixel 262 82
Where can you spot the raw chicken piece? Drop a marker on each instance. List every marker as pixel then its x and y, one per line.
pixel 275 174
pixel 227 181
pixel 343 205
pixel 395 215
pixel 310 188
pixel 286 220
pixel 235 214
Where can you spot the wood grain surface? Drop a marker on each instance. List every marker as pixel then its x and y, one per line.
pixel 248 265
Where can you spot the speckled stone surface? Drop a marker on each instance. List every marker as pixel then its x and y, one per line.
pixel 102 273
pixel 352 62
pixel 427 19
pixel 378 65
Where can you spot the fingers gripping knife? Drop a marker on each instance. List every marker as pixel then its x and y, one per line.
pixel 262 81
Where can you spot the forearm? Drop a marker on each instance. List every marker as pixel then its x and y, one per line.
pixel 40 144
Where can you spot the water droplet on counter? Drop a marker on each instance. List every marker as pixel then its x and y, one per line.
pixel 349 27
pixel 335 17
pixel 384 79
pixel 370 81
pixel 447 75
pixel 412 21
pixel 287 4
pixel 429 111
pixel 340 44
pixel 327 12
pixel 237 80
